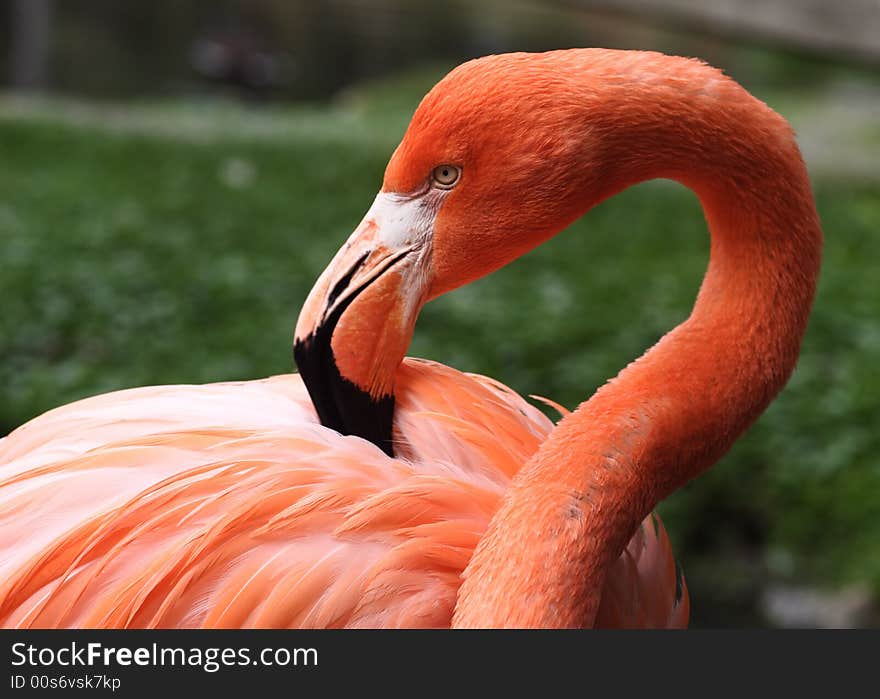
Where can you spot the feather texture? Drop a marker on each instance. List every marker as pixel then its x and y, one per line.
pixel 229 505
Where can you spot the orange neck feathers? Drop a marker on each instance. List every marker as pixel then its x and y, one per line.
pixel 674 412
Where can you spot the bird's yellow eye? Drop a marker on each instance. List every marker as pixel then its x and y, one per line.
pixel 446 175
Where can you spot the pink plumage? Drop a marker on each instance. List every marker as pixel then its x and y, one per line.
pixel 229 505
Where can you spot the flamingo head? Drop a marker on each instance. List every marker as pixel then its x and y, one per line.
pixel 498 157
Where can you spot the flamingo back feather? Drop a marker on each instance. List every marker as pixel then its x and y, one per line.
pixel 229 505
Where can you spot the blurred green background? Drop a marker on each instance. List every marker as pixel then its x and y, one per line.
pixel 175 175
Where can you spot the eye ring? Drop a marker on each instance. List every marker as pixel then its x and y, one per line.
pixel 446 176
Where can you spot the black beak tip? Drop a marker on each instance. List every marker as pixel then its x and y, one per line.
pixel 341 405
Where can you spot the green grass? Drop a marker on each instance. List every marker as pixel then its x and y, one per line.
pixel 176 244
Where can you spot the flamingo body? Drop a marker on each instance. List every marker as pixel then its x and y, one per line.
pixel 229 505
pixel 452 501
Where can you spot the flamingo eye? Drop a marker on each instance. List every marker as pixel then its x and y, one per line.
pixel 445 176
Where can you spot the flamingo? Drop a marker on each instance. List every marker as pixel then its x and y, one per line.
pixel 373 490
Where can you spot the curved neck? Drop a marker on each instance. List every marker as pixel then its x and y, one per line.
pixel 675 411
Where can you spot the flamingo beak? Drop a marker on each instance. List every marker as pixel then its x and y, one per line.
pixel 358 320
